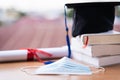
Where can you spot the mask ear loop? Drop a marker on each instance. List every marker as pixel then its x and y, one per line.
pixel 24 69
pixel 99 69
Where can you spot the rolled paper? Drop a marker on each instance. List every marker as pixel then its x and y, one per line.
pixel 22 55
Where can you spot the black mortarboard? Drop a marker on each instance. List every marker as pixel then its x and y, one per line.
pixel 92 17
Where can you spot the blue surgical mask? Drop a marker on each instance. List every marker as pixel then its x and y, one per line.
pixel 64 66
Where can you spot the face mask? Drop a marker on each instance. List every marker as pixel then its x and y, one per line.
pixel 63 66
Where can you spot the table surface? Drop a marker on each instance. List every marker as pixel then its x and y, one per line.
pixel 12 71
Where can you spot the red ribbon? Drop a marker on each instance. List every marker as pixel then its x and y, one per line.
pixel 86 42
pixel 33 52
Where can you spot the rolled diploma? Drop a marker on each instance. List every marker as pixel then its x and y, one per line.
pixel 19 55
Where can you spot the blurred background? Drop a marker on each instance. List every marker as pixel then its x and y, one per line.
pixel 35 23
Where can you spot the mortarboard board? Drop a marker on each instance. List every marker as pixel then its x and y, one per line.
pixel 92 17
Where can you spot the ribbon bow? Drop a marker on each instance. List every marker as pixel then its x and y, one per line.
pixel 33 52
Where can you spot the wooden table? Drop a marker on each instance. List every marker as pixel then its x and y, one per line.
pixel 12 71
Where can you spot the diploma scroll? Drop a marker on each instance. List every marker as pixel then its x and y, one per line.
pixel 20 55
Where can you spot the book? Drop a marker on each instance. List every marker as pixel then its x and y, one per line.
pixel 101 38
pixel 104 50
pixel 95 50
pixel 97 61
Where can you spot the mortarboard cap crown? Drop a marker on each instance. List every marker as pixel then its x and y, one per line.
pixel 92 17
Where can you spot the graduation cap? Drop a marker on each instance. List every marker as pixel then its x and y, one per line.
pixel 92 17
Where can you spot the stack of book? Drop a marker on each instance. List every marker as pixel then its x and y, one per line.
pixel 101 49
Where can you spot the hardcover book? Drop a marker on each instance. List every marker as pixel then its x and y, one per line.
pixel 95 50
pixel 101 38
pixel 97 61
